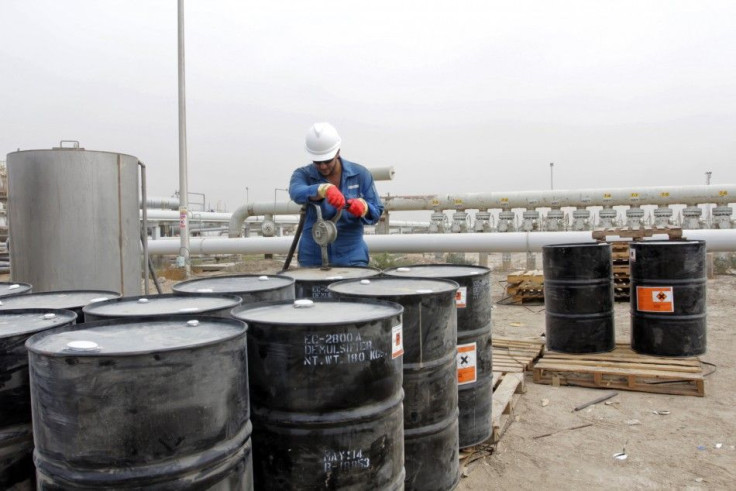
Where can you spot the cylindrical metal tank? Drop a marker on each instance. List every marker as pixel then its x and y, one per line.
pixel 16 437
pixel 312 282
pixel 250 287
pixel 142 404
pixel 10 289
pixel 474 343
pixel 326 394
pixel 668 297
pixel 75 220
pixel 431 440
pixel 578 297
pixel 165 305
pixel 73 300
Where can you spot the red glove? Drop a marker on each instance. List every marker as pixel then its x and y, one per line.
pixel 357 207
pixel 332 194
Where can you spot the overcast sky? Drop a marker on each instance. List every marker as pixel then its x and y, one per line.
pixel 457 96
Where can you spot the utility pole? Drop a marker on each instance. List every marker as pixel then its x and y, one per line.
pixel 708 174
pixel 551 175
pixel 183 259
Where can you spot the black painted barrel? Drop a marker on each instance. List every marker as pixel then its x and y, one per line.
pixel 474 343
pixel 326 394
pixel 16 437
pixel 10 289
pixel 431 445
pixel 74 300
pixel 578 297
pixel 142 404
pixel 668 297
pixel 165 305
pixel 16 458
pixel 313 282
pixel 250 287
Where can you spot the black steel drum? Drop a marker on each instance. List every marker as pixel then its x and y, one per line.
pixel 142 404
pixel 313 282
pixel 10 289
pixel 578 297
pixel 474 343
pixel 74 300
pixel 16 437
pixel 668 297
pixel 326 394
pixel 250 287
pixel 165 305
pixel 431 441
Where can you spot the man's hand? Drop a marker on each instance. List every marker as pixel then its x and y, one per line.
pixel 332 195
pixel 357 207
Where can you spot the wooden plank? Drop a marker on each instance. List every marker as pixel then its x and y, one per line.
pixel 504 401
pixel 581 364
pixel 621 371
pixel 624 358
pixel 496 377
pixel 673 387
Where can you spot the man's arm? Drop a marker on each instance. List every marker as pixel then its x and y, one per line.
pixel 300 190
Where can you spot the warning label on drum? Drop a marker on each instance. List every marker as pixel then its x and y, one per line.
pixel 461 297
pixel 654 299
pixel 397 341
pixel 467 361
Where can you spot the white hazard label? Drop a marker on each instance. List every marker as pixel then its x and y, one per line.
pixel 397 341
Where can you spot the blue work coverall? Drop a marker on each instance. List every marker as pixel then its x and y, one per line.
pixel 349 249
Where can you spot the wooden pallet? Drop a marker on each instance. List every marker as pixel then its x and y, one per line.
pixel 511 358
pixel 525 286
pixel 507 389
pixel 623 369
pixel 515 355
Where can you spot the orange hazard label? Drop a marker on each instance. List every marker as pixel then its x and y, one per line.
pixel 397 341
pixel 461 297
pixel 467 361
pixel 654 299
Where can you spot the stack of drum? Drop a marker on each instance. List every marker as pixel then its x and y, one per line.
pixel 431 444
pixel 668 297
pixel 474 343
pixel 362 382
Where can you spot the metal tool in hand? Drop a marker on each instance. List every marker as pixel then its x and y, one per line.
pixel 324 233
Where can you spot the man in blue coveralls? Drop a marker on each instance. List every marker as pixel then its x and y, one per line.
pixel 333 183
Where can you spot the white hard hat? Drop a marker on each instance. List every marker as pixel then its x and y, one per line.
pixel 322 142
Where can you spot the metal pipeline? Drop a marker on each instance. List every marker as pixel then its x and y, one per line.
pixel 558 198
pixel 716 241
